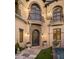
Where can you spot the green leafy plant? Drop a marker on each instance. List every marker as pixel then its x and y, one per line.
pixel 45 54
pixel 56 43
pixel 17 46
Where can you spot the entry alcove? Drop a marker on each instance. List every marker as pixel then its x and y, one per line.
pixel 35 34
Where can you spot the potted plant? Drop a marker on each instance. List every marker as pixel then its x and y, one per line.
pixel 44 43
pixel 28 45
pixel 56 43
pixel 17 48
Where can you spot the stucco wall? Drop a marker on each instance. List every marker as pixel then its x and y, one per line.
pixel 25 8
pixel 62 34
pixel 20 24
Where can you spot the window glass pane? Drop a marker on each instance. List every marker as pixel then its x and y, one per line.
pixel 58 10
pixel 54 11
pixel 37 8
pixel 33 7
pixel 38 17
pixel 36 13
pixel 53 18
pixel 58 17
pixel 21 35
pixel 32 16
pixel 33 11
pixel 54 34
pixel 57 14
pixel 58 34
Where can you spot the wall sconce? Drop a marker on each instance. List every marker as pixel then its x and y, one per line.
pixel 49 15
pixel 43 36
pixel 26 34
pixel 27 10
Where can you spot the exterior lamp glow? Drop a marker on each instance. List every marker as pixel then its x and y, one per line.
pixel 27 36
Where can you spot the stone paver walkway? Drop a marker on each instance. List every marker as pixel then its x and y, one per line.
pixel 28 53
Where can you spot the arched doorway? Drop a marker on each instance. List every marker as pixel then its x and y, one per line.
pixel 35 38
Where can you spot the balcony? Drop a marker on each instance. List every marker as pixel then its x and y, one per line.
pixel 38 22
pixel 56 23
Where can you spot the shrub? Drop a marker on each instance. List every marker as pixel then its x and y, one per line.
pixel 21 48
pixel 56 43
pixel 18 46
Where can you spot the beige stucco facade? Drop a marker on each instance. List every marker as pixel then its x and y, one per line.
pixel 46 31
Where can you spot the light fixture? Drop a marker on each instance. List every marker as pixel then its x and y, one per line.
pixel 27 34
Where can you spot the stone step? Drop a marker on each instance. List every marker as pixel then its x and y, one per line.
pixel 29 54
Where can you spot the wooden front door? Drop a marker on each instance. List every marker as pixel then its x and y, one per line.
pixel 35 38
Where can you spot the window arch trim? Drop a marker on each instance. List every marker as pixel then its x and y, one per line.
pixel 35 12
pixel 57 13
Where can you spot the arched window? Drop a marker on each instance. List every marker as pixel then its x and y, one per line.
pixel 57 14
pixel 35 13
pixel 17 10
pixel 16 6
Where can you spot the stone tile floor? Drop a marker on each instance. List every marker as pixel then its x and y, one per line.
pixel 28 53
